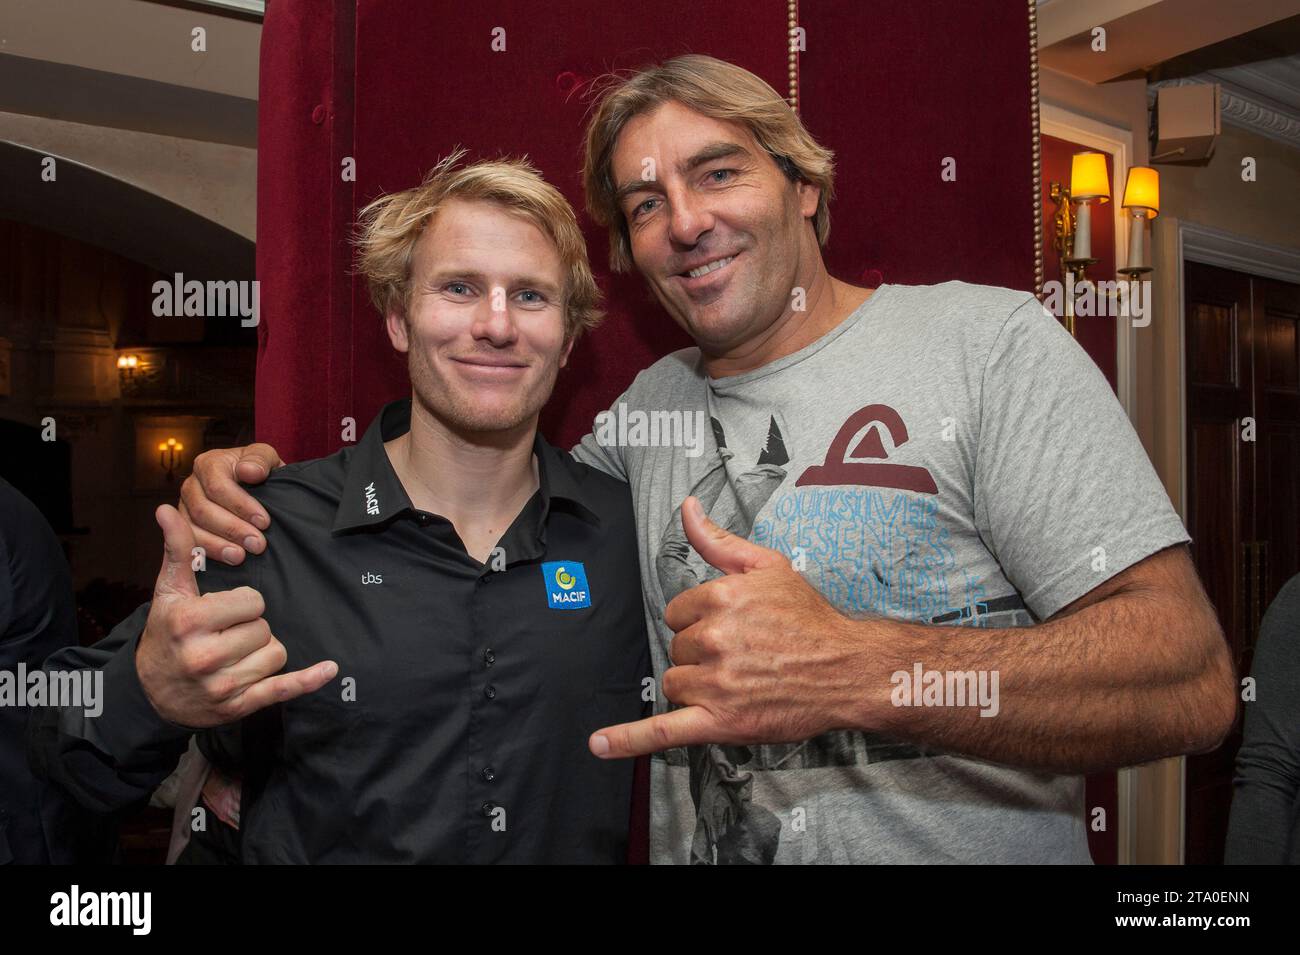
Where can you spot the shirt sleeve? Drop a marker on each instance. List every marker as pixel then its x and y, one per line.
pixel 37 617
pixel 604 456
pixel 1264 822
pixel 1065 496
pixel 113 759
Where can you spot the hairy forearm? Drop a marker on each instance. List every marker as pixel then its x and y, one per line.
pixel 1132 678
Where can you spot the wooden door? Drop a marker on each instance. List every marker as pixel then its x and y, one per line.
pixel 1277 447
pixel 1243 509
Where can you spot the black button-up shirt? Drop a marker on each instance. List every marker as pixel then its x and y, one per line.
pixel 456 729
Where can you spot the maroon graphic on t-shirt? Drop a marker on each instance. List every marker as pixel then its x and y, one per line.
pixel 846 467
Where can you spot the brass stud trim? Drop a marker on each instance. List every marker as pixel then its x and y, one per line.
pixel 1037 148
pixel 792 19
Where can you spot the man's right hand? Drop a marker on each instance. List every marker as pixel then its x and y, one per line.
pixel 226 519
pixel 206 660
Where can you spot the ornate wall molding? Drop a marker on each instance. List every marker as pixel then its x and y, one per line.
pixel 1242 110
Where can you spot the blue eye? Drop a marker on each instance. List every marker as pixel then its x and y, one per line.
pixel 537 297
pixel 719 172
pixel 643 207
pixel 457 288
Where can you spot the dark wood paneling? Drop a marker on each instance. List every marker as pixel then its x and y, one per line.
pixel 1215 522
pixel 1278 412
pixel 1213 351
pixel 1243 508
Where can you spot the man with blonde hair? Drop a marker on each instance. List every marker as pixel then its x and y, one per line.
pixel 924 576
pixel 455 602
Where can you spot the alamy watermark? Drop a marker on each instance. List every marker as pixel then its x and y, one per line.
pixel 1127 300
pixel 924 687
pixel 74 689
pixel 195 299
pixel 75 907
pixel 621 428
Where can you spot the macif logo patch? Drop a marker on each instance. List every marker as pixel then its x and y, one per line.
pixel 566 585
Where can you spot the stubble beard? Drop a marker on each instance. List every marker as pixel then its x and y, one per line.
pixel 456 409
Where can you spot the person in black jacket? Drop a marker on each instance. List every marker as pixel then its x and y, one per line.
pixel 38 825
pixel 1264 823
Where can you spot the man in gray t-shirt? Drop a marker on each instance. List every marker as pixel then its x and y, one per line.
pixel 970 468
pixel 940 582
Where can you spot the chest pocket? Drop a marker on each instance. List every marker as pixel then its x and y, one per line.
pixel 323 729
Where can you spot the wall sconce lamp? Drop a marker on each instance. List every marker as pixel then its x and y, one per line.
pixel 169 456
pixel 127 364
pixel 1072 233
pixel 1073 229
pixel 1142 200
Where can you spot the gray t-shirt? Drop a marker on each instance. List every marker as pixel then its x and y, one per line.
pixel 947 455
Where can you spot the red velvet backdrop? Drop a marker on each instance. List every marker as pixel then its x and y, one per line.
pixel 893 88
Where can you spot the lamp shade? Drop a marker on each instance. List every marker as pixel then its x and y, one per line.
pixel 1143 190
pixel 1088 179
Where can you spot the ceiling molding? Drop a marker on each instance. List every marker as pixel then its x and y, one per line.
pixel 75 94
pixel 95 206
pixel 1243 110
pixel 241 9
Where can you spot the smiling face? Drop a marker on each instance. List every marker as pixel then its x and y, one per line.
pixel 719 232
pixel 484 331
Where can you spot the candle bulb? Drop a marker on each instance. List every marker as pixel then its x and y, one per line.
pixel 1083 231
pixel 1142 200
pixel 1088 180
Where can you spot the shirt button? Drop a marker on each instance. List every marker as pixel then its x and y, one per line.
pixel 487 774
pixel 489 657
pixel 490 691
pixel 488 809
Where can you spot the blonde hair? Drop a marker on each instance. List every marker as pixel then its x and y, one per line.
pixel 714 88
pixel 389 227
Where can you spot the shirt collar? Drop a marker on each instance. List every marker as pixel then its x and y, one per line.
pixel 372 494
